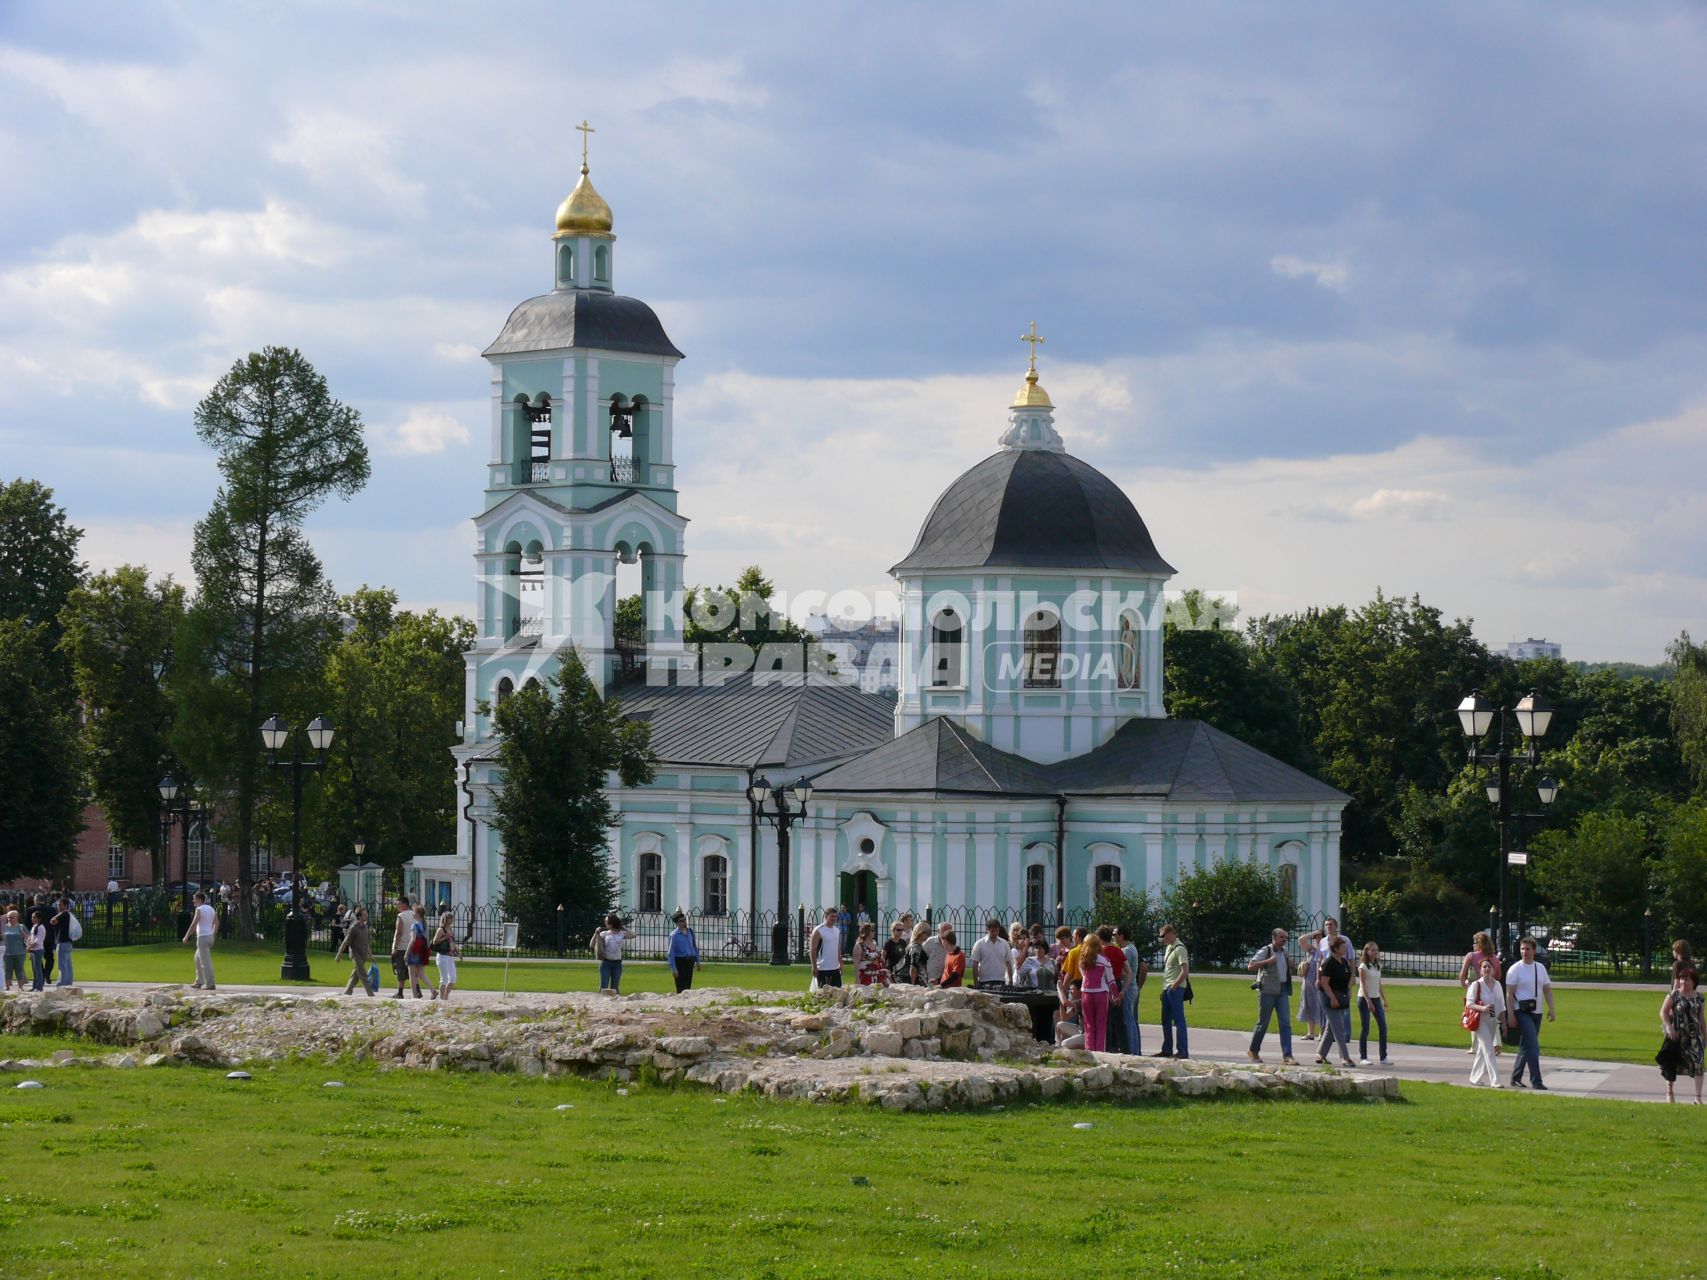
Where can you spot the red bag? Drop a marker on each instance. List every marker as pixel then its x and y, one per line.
pixel 1472 1017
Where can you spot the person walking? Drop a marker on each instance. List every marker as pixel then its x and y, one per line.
pixel 1176 986
pixel 358 940
pixel 15 950
pixel 419 952
pixel 204 925
pixel 66 932
pixel 1310 1002
pixel 1481 948
pixel 1130 988
pixel 446 953
pixel 993 955
pixel 682 953
pixel 1371 1002
pixel 1335 983
pixel 400 934
pixel 1273 968
pixel 825 950
pixel 1096 982
pixel 1527 987
pixel 35 946
pixel 606 944
pixel 1484 999
pixel 1685 1027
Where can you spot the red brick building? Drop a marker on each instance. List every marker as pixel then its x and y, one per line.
pixel 100 859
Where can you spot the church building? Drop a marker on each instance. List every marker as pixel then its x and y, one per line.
pixel 1025 760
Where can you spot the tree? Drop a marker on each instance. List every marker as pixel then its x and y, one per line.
pixel 630 625
pixel 1210 675
pixel 119 635
pixel 1138 912
pixel 254 641
pixel 394 684
pixel 1225 911
pixel 741 614
pixel 1689 705
pixel 557 743
pixel 40 759
pixel 38 568
pixel 1682 872
pixel 1598 875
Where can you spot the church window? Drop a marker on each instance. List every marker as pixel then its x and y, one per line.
pixel 1042 651
pixel 601 265
pixel 1127 654
pixel 1106 878
pixel 715 898
pixel 506 687
pixel 651 883
pixel 566 265
pixel 115 860
pixel 1034 906
pixel 201 853
pixel 539 440
pixel 260 859
pixel 531 683
pixel 948 651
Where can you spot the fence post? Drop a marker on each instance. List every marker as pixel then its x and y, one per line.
pixel 124 920
pixel 562 936
pixel 1648 943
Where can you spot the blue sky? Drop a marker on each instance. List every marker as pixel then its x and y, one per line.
pixel 1346 297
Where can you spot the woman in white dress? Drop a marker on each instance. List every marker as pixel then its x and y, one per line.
pixel 1486 998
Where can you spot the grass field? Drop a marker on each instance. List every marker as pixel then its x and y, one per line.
pixel 1620 1026
pixel 179 1172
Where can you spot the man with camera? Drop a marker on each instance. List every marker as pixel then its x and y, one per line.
pixel 1274 990
pixel 1527 986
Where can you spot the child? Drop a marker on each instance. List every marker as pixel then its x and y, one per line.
pixel 954 965
pixel 446 951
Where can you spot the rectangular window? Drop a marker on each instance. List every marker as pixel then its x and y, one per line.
pixel 1034 905
pixel 716 897
pixel 201 854
pixel 260 859
pixel 1107 878
pixel 651 883
pixel 115 861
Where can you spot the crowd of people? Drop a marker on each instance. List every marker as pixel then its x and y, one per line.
pixel 39 932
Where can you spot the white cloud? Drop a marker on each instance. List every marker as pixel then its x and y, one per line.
pixel 338 149
pixel 456 352
pixel 1413 504
pixel 1333 276
pixel 423 430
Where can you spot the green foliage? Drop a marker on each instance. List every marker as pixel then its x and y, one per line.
pixel 1212 674
pixel 1140 913
pixel 630 624
pixel 1370 914
pixel 1682 873
pixel 394 686
pixel 1224 912
pixel 1689 704
pixel 120 630
pixel 38 569
pixel 1598 875
pixel 41 759
pixel 255 640
pixel 557 744
pixel 741 614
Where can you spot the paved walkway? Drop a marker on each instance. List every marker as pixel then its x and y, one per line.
pixel 1574 1077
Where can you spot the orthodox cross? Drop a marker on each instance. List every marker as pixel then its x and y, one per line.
pixel 1034 340
pixel 585 129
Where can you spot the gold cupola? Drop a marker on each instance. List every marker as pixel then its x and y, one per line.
pixel 1030 395
pixel 584 212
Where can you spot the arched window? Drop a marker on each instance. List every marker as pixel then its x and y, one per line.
pixel 1042 639
pixel 948 651
pixel 715 895
pixel 1127 652
pixel 1107 878
pixel 1034 895
pixel 566 265
pixel 601 264
pixel 201 853
pixel 532 683
pixel 506 687
pixel 650 894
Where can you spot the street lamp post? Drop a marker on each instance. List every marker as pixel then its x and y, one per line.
pixel 176 801
pixel 1530 718
pixel 786 806
pixel 274 734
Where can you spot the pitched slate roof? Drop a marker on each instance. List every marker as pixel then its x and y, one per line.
pixel 769 723
pixel 1183 760
pixel 583 318
pixel 1034 508
pixel 939 756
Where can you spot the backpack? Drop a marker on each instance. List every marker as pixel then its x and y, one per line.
pixel 73 928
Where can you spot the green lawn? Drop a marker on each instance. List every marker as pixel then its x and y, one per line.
pixel 1618 1026
pixel 133 1173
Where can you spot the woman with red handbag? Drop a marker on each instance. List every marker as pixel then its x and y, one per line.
pixel 1484 1006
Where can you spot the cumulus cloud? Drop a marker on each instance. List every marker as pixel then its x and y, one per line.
pixel 1413 504
pixel 1332 276
pixel 424 430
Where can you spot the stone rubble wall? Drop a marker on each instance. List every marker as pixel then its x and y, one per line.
pixel 904 1048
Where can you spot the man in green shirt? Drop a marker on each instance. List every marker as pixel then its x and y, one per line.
pixel 1176 976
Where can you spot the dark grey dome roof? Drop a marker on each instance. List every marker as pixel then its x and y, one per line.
pixel 1034 508
pixel 583 318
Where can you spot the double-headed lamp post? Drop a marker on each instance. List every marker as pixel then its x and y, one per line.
pixel 274 734
pixel 782 807
pixel 176 801
pixel 1532 715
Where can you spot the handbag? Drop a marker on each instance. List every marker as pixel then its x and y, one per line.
pixel 1670 1058
pixel 1510 1036
pixel 1472 1017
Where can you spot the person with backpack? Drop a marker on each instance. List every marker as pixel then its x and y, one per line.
pixel 419 952
pixel 1176 990
pixel 1273 968
pixel 67 930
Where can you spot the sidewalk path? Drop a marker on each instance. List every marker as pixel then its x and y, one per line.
pixel 1573 1077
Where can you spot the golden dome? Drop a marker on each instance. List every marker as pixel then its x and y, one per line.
pixel 1030 395
pixel 585 212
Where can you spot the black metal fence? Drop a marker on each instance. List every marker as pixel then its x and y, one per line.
pixel 1435 949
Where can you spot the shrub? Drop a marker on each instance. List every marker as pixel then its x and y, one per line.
pixel 1225 912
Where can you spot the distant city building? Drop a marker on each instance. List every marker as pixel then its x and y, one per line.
pixel 869 649
pixel 1523 650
